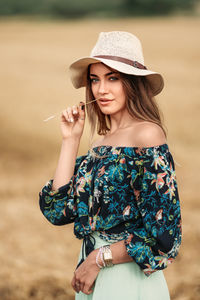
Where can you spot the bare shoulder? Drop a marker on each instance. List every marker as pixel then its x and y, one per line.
pixel 149 134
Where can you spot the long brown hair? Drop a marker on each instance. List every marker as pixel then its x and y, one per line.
pixel 140 104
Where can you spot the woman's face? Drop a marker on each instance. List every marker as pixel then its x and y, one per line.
pixel 106 85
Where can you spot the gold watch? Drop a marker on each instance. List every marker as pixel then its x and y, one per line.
pixel 107 256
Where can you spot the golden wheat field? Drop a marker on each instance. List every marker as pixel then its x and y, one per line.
pixel 37 260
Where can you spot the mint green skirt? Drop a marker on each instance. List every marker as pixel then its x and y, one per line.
pixel 125 281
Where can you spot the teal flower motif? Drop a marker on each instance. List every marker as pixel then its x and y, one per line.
pixel 129 191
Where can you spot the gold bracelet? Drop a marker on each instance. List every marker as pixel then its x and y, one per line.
pixel 107 256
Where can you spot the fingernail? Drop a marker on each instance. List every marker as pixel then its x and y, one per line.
pixel 71 120
pixel 82 105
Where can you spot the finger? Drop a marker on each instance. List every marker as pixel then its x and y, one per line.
pixel 74 285
pixel 64 116
pixel 81 110
pixel 70 115
pixel 74 110
pixel 87 290
pixel 82 286
pixel 78 287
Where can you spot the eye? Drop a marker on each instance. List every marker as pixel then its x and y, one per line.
pixel 93 80
pixel 113 78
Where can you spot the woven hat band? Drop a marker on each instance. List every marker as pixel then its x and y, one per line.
pixel 133 63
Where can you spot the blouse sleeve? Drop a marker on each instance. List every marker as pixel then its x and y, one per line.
pixel 59 206
pixel 156 243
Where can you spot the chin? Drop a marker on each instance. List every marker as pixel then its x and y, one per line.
pixel 111 109
pixel 107 111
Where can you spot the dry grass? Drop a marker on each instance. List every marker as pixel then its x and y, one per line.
pixel 37 260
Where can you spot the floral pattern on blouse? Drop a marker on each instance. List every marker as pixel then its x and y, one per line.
pixel 127 193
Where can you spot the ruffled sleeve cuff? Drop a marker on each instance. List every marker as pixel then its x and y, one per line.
pixel 58 205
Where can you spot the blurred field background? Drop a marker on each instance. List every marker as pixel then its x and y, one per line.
pixel 37 260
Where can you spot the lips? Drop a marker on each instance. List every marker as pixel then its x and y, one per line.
pixel 105 100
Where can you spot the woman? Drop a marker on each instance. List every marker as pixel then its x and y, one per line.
pixel 122 195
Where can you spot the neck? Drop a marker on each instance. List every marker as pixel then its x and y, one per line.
pixel 120 120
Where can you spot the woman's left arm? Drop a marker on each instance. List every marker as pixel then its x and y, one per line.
pixel 87 272
pixel 155 244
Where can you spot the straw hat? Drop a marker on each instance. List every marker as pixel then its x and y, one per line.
pixel 121 51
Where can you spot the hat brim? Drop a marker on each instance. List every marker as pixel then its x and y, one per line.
pixel 78 72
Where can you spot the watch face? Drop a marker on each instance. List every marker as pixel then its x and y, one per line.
pixel 107 256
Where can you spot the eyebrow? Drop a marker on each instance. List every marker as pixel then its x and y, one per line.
pixel 110 73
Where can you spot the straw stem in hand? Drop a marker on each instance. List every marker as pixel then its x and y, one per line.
pixel 85 103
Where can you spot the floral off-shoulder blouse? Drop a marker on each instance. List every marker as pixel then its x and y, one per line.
pixel 122 193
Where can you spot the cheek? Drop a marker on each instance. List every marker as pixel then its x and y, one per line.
pixel 94 89
pixel 122 103
pixel 121 95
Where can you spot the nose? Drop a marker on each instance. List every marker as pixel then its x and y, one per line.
pixel 102 87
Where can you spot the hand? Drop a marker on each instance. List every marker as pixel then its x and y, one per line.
pixel 85 275
pixel 72 121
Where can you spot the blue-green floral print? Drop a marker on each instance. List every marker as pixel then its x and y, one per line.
pixel 127 193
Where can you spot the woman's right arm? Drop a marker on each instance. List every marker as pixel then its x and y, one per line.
pixel 57 196
pixel 72 124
